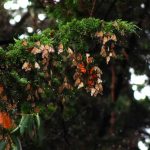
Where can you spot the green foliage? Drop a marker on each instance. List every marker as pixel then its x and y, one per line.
pixel 72 119
pixel 119 25
pixel 16 143
pixel 76 33
pixel 2 52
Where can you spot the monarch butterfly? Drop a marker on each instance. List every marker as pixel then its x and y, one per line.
pixel 35 51
pixel 82 68
pixel 5 120
pixel 90 83
pixel 24 43
pixel 60 48
pixel 26 66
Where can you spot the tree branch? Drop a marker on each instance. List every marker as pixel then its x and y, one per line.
pixel 93 6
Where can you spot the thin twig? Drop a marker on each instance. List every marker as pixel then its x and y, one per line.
pixel 93 6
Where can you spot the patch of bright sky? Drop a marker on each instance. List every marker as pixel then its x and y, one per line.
pixel 41 16
pixel 38 31
pixel 56 1
pixel 147 130
pixel 147 140
pixel 143 5
pixel 23 3
pixel 137 80
pixel 13 6
pixel 17 18
pixel 23 36
pixel 12 22
pixel 142 146
pixel 29 29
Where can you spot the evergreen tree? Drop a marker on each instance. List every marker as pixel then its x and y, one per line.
pixel 68 87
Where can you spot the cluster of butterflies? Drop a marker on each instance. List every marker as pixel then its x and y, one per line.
pixel 39 48
pixel 107 50
pixel 86 74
